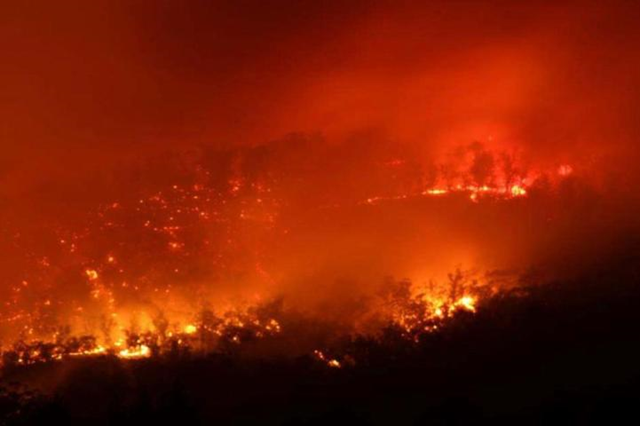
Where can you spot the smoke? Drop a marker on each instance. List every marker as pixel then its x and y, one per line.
pixel 110 79
pixel 112 103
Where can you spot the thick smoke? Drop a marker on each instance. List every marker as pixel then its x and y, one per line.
pixel 107 103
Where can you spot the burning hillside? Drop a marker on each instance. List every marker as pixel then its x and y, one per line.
pixel 312 192
pixel 194 262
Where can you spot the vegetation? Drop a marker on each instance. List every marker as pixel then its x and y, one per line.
pixel 566 352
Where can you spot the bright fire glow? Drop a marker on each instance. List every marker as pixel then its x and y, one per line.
pixel 188 227
pixel 132 353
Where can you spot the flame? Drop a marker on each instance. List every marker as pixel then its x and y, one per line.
pixel 467 302
pixel 186 227
pixel 141 351
pixel 518 191
pixel 330 362
pixel 98 350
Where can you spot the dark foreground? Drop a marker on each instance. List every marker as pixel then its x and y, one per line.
pixel 568 353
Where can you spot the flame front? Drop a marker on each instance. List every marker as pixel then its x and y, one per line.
pixel 146 268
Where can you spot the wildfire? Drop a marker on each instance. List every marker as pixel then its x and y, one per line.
pixel 92 274
pixel 98 350
pixel 473 192
pixel 467 302
pixel 330 362
pixel 141 351
pixel 415 314
pixel 565 170
pixel 152 247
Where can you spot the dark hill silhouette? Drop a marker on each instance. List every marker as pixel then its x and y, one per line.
pixel 565 353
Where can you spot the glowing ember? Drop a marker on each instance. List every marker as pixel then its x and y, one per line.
pixel 565 170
